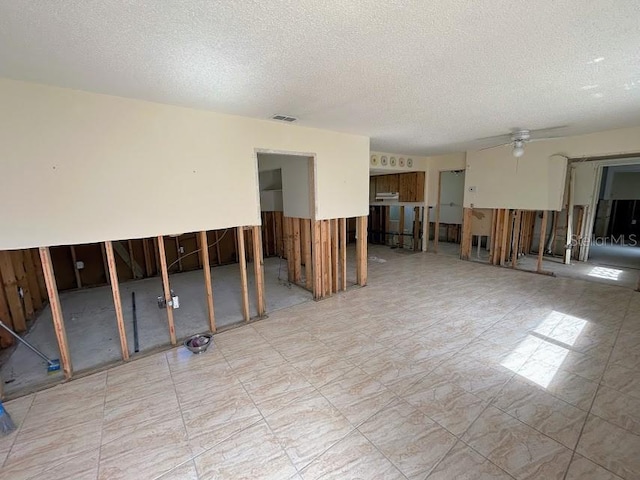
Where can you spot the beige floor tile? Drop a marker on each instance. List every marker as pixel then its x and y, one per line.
pixel 356 395
pixel 583 469
pixel 622 379
pixel 408 438
pixel 463 463
pixel 307 427
pixel 17 409
pixel 186 471
pixel 322 369
pixel 610 446
pixel 617 408
pixel 152 450
pixel 541 410
pixel 250 454
pixel 354 457
pixel 516 448
pixel 448 404
pixel 483 381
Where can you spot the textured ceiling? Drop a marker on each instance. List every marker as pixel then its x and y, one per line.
pixel 418 77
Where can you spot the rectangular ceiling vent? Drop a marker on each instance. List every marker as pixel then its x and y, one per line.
pixel 284 118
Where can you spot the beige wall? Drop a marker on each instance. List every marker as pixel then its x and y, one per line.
pixel 537 180
pixel 80 167
pixel 295 182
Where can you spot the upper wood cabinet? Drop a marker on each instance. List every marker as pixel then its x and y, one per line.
pixel 410 186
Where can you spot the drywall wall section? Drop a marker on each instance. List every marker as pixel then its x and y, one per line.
pixel 441 163
pixel 79 167
pixel 295 182
pixel 536 181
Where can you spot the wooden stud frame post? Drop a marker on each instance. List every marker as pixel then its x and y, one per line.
pixel 465 247
pixel 242 260
pixel 208 287
pixel 316 254
pixel 436 231
pixel 543 236
pixel 334 255
pixel 258 268
pixel 361 251
pixel 117 302
pixel 343 253
pixel 308 262
pixel 167 289
pixel 56 311
pixel 516 239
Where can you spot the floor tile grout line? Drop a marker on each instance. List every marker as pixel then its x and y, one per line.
pixel 595 395
pixel 18 431
pixel 184 424
pixel 104 409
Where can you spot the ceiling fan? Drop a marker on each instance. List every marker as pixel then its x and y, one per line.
pixel 520 136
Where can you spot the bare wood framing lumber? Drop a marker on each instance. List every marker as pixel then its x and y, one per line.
pixel 516 239
pixel 217 240
pixel 32 279
pixel 242 260
pixel 436 232
pixel 465 248
pixel 416 228
pixel 76 272
pixel 156 254
pixel 506 217
pixel 167 289
pixel 343 253
pixel 147 257
pixel 316 254
pixel 401 228
pixel 10 284
pixel 326 257
pixel 334 255
pixel 308 262
pixel 178 255
pixel 543 235
pixel 6 339
pixel 427 227
pixel 361 251
pixel 387 219
pixel 21 277
pixel 208 287
pixel 258 267
pixel 287 224
pixel 117 302
pixel 56 311
pixel 35 255
pixel 297 250
pixel 569 238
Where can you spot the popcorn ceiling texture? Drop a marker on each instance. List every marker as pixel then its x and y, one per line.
pixel 417 77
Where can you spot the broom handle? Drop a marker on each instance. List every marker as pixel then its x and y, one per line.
pixel 26 344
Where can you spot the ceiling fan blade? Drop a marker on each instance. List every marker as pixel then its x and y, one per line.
pixel 545 133
pixel 494 146
pixel 495 139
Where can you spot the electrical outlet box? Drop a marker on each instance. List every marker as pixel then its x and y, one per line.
pixel 181 249
pixel 79 265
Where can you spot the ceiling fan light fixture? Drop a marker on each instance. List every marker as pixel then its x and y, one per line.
pixel 518 148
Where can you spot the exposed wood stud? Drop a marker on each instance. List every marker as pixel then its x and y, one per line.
pixel 208 287
pixel 334 255
pixel 326 257
pixel 258 267
pixel 436 232
pixel 506 217
pixel 6 339
pixel 361 250
pixel 117 302
pixel 387 219
pixel 287 224
pixel 543 236
pixel 217 240
pixel 32 279
pixel 23 283
pixel 200 246
pixel 35 255
pixel 427 226
pixel 10 285
pixel 156 254
pixel 516 239
pixel 178 254
pixel 316 254
pixel 242 260
pixel 467 239
pixel 343 253
pixel 167 289
pixel 297 251
pixel 416 228
pixel 401 228
pixel 308 262
pixel 56 312
pixel 76 272
pixel 147 257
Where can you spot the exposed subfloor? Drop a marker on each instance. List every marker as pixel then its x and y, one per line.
pixel 91 325
pixel 438 369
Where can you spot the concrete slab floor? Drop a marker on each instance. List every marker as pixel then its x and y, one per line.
pixel 91 328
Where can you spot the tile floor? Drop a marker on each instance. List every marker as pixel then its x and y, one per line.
pixel 439 369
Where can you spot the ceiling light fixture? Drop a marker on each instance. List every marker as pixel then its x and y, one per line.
pixel 518 148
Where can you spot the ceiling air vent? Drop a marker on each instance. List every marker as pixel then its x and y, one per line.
pixel 284 118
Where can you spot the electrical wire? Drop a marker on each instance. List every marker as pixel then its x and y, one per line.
pixel 179 259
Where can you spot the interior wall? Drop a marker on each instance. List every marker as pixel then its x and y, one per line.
pixel 81 167
pixel 295 182
pixel 536 181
